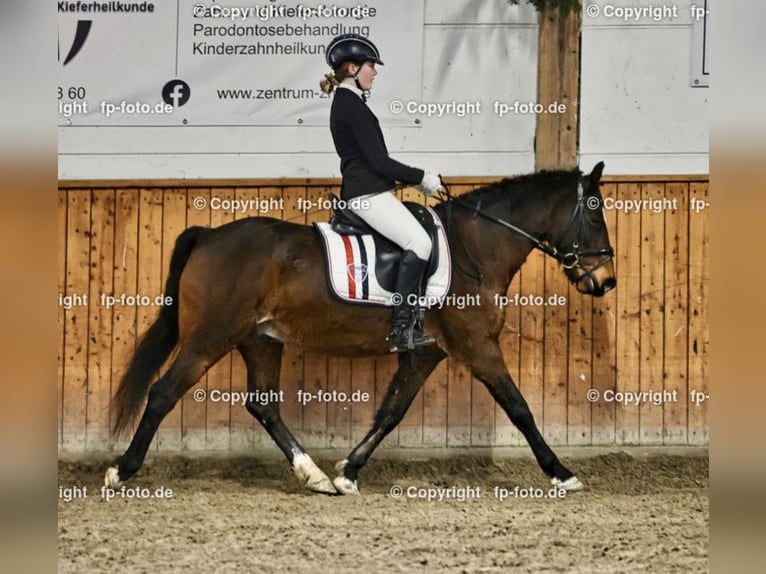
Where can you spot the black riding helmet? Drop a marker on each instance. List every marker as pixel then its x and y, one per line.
pixel 351 48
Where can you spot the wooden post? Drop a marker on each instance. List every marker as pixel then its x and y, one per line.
pixel 558 80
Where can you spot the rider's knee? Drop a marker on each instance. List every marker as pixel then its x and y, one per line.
pixel 421 245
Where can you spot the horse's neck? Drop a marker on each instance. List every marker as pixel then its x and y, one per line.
pixel 501 251
pixel 497 251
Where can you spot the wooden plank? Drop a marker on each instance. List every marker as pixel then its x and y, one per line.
pixel 652 311
pixel 554 423
pixel 435 407
pixel 149 262
pixel 194 412
pixel 628 302
pixel 74 399
pixel 339 411
pixel 580 376
pixel 100 320
pixel 170 433
pixel 243 433
pixel 569 75
pixel 699 319
pixel 362 413
pixel 548 86
pixel 219 376
pixel 557 83
pixel 675 330
pixel 125 280
pixel 61 318
pixel 458 404
pixel 314 364
pixel 604 344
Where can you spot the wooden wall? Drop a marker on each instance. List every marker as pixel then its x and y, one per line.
pixel 650 334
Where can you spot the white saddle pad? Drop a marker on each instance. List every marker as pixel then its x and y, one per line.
pixel 351 268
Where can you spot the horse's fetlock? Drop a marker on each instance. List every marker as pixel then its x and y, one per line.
pixel 127 467
pixel 352 467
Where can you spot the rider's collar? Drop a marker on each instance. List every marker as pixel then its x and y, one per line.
pixel 354 89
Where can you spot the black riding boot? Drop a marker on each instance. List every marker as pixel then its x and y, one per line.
pixel 405 332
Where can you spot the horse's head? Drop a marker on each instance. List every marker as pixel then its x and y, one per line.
pixel 584 248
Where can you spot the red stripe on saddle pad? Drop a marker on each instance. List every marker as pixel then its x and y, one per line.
pixel 349 261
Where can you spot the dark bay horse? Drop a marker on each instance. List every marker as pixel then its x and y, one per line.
pixel 259 283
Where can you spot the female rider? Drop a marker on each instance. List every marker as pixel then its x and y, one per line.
pixel 370 174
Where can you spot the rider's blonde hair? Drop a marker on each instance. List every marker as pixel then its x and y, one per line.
pixel 333 80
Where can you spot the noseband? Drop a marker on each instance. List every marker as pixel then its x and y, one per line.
pixel 568 259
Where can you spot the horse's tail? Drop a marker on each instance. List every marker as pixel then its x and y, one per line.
pixel 158 342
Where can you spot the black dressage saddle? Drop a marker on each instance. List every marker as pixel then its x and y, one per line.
pixel 388 253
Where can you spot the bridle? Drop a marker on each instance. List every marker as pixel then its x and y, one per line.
pixel 568 259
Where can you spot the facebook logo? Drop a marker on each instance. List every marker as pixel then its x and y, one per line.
pixel 176 93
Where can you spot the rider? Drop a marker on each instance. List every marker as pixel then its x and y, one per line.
pixel 369 173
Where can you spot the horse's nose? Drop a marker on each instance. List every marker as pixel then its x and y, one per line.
pixel 608 285
pixel 600 289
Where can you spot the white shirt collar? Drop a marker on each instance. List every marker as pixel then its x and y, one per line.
pixel 354 89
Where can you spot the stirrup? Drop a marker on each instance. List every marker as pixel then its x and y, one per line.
pixel 408 340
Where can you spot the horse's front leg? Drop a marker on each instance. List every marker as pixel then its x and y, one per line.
pixel 402 389
pixel 490 369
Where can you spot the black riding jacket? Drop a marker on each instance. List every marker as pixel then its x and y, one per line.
pixel 364 161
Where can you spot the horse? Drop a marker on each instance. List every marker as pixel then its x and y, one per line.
pixel 257 284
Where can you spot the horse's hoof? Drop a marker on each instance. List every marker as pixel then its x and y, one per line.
pixel 112 477
pixel 571 484
pixel 323 485
pixel 346 486
pixel 311 475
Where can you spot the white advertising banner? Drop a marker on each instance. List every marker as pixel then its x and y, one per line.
pixel 231 63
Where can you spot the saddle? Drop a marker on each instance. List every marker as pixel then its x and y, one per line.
pixel 387 253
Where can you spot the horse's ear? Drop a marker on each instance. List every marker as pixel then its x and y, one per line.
pixel 595 175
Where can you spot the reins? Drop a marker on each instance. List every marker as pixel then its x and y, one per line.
pixel 568 260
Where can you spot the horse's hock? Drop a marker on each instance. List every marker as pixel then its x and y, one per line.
pixel 628 368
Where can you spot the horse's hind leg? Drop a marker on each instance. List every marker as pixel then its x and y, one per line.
pixel 402 389
pixel 263 358
pixel 490 369
pixel 186 370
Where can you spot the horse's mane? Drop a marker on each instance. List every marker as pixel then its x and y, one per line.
pixel 513 191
